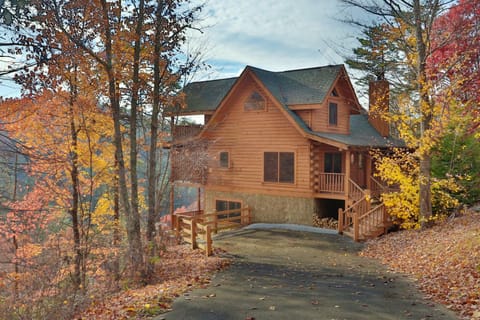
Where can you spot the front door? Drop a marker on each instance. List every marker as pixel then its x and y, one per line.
pixel 333 162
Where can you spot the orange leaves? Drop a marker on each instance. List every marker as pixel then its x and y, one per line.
pixel 444 259
pixel 178 271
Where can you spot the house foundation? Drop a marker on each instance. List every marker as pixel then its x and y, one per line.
pixel 266 208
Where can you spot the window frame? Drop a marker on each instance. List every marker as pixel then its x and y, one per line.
pixel 249 105
pixel 228 205
pixel 332 113
pixel 220 162
pixel 333 163
pixel 276 172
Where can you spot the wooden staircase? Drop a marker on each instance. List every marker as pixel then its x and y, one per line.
pixel 364 217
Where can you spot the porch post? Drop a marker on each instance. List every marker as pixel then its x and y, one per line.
pixel 347 173
pixel 368 169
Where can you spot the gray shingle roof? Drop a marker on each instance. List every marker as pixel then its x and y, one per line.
pixel 304 86
pixel 362 134
pixel 205 96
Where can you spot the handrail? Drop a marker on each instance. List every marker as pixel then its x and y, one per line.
pixel 189 227
pixel 355 192
pixel 330 182
pixel 349 213
pixel 372 219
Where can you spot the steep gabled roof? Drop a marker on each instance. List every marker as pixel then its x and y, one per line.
pixel 304 86
pixel 205 96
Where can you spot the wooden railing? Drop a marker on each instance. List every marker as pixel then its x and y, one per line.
pixel 197 229
pixel 181 132
pixel 348 218
pixel 331 182
pixel 355 192
pixel 373 222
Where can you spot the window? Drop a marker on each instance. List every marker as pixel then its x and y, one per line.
pixel 279 167
pixel 332 113
pixel 224 159
pixel 334 93
pixel 254 102
pixel 224 205
pixel 333 162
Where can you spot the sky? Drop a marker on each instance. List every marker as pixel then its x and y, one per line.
pixel 275 35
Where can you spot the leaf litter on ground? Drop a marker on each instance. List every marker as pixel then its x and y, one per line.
pixel 444 260
pixel 179 270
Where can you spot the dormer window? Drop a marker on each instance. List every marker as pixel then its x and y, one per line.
pixel 332 114
pixel 255 102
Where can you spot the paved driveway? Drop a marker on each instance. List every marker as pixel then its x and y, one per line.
pixel 281 274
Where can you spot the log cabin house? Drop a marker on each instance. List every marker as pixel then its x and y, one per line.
pixel 289 145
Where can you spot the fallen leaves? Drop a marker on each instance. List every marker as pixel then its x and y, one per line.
pixel 444 259
pixel 179 270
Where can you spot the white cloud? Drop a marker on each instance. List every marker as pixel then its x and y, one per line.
pixel 273 34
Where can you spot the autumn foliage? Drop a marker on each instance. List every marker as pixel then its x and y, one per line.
pixel 444 260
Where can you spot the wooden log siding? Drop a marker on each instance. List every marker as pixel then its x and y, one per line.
pixel 247 135
pixel 319 117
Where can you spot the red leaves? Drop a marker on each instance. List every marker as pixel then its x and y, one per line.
pixel 444 259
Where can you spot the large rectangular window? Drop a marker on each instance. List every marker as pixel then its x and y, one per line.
pixel 279 167
pixel 333 162
pixel 332 114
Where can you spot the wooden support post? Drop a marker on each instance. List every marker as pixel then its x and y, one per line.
pixel 215 221
pixel 176 223
pixel 347 174
pixel 208 241
pixel 355 227
pixel 198 199
pixel 249 215
pixel 172 201
pixel 194 234
pixel 340 220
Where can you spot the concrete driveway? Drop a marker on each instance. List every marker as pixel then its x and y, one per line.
pixel 282 274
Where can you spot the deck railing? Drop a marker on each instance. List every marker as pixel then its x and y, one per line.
pixel 331 182
pixel 181 132
pixel 197 229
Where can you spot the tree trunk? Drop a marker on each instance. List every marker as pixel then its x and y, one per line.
pixel 152 163
pixel 133 127
pixel 74 212
pixel 133 223
pixel 426 110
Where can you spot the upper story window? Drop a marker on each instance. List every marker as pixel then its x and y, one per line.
pixel 255 102
pixel 332 114
pixel 334 93
pixel 279 167
pixel 224 159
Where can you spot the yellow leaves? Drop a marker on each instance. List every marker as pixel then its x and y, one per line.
pixel 29 250
pixel 402 171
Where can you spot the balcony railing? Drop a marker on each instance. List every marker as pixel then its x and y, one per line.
pixel 182 132
pixel 330 182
